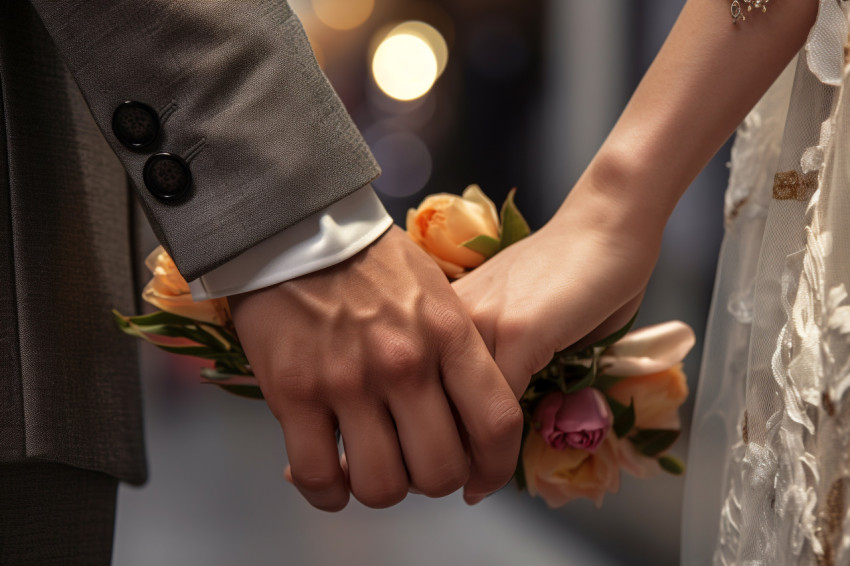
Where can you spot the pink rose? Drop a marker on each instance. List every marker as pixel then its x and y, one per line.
pixel 559 476
pixel 576 420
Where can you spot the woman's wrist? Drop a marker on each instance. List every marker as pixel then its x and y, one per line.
pixel 619 195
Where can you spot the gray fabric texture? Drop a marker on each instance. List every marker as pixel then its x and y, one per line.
pixel 54 514
pixel 69 390
pixel 242 99
pixel 268 141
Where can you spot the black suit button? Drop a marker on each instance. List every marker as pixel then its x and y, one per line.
pixel 167 176
pixel 136 125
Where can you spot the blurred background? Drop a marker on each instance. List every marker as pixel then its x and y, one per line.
pixel 502 93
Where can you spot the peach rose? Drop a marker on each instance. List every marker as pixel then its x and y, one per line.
pixel 648 350
pixel 650 361
pixel 657 397
pixel 560 476
pixel 168 291
pixel 443 222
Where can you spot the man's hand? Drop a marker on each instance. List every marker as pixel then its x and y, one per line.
pixel 381 348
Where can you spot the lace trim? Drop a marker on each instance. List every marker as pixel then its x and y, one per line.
pixel 825 45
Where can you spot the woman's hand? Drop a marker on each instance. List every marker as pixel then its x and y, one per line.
pixel 581 277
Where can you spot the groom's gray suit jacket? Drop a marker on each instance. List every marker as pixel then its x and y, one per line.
pixel 256 141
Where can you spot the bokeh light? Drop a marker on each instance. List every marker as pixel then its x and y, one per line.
pixel 429 35
pixel 343 14
pixel 404 66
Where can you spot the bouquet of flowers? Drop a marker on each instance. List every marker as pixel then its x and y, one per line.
pixel 589 413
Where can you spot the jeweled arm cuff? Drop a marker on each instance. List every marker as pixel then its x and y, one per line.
pixel 737 8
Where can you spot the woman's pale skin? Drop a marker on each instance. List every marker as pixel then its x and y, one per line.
pixel 583 274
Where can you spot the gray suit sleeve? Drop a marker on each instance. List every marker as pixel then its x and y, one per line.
pixel 239 97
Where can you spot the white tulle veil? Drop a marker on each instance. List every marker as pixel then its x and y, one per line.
pixel 769 465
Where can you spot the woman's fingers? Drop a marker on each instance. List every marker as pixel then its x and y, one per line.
pixel 613 323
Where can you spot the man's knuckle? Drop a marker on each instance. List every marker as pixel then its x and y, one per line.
pixel 315 482
pixel 452 324
pixel 400 356
pixel 345 380
pixel 331 505
pixel 447 480
pixel 379 495
pixel 504 421
pixel 301 388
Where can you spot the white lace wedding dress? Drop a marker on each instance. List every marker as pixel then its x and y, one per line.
pixel 769 467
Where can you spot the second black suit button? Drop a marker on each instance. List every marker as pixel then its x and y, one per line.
pixel 167 176
pixel 136 125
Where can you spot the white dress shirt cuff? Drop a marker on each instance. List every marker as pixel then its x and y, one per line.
pixel 326 238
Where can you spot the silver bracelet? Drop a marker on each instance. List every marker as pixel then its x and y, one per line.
pixel 737 8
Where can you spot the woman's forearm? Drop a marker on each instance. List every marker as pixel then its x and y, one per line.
pixel 707 76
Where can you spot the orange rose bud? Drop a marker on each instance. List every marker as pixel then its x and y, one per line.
pixel 444 222
pixel 168 291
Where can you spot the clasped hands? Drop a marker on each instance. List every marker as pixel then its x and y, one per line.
pixel 421 377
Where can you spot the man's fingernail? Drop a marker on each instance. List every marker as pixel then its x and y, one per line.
pixel 473 499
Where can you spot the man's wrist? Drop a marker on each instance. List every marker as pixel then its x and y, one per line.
pixel 324 239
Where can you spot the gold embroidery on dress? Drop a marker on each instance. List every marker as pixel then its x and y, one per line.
pixel 829 522
pixel 791 185
pixel 828 405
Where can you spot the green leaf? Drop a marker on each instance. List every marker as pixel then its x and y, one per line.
pixel 483 244
pixel 624 416
pixel 578 385
pixel 514 226
pixel 604 381
pixel 157 318
pixel 587 378
pixel 214 342
pixel 194 351
pixel 195 334
pixel 235 365
pixel 605 342
pixel 652 442
pixel 247 391
pixel 519 475
pixel 672 465
pixel 219 375
pixel 519 472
